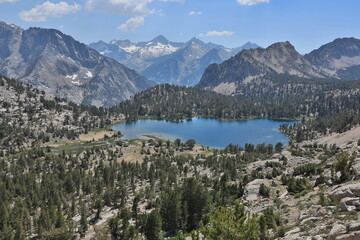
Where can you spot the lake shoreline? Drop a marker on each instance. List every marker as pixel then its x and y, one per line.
pixel 220 119
pixel 210 132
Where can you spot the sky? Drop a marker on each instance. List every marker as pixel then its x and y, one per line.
pixel 307 24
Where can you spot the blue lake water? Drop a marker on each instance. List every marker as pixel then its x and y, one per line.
pixel 208 132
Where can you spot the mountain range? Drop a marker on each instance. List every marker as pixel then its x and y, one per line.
pixel 339 59
pixel 163 61
pixel 63 67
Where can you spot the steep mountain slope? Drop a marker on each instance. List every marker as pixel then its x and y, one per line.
pixel 256 66
pixel 340 58
pixel 164 61
pixel 63 67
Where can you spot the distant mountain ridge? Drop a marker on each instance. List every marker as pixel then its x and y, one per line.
pixel 258 66
pixel 63 67
pixel 340 58
pixel 264 69
pixel 163 61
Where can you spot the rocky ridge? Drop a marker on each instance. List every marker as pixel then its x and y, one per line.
pixel 63 67
pixel 340 58
pixel 256 66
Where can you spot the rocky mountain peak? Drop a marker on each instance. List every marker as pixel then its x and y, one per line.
pixel 122 43
pixel 250 45
pixel 258 65
pixel 282 48
pixel 6 25
pixel 349 47
pixel 61 66
pixel 339 58
pixel 247 46
pixel 280 53
pixel 195 41
pixel 161 39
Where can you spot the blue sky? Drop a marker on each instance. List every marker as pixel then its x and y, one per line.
pixel 307 24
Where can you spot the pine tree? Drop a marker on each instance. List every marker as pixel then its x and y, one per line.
pixel 114 223
pixel 83 220
pixel 171 211
pixel 231 223
pixel 19 231
pixel 134 207
pixel 153 226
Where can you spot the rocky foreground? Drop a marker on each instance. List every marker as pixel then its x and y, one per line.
pixel 329 209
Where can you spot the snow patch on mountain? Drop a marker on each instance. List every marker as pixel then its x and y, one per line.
pixel 131 49
pixel 157 50
pixel 89 74
pixel 73 77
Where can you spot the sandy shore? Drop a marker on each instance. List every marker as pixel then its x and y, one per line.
pixel 96 135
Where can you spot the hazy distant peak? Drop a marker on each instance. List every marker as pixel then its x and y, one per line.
pixel 249 45
pixel 122 43
pixel 195 40
pixel 101 42
pixel 165 61
pixel 246 46
pixel 160 39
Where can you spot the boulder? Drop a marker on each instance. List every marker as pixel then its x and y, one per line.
pixel 345 237
pixel 350 236
pixel 337 230
pixel 347 204
pixel 354 226
pixel 303 216
pixel 317 238
pixel 293 231
pixel 357 205
pixel 351 190
pixel 295 236
pixel 251 192
pixel 313 219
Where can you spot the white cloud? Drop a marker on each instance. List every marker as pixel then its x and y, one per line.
pixel 11 1
pixel 137 10
pixel 252 2
pixel 131 24
pixel 216 33
pixel 120 7
pixel 48 9
pixel 194 13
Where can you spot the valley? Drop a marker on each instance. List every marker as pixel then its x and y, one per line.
pixel 85 181
pixel 182 140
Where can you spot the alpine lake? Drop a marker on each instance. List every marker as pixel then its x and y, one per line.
pixel 207 131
